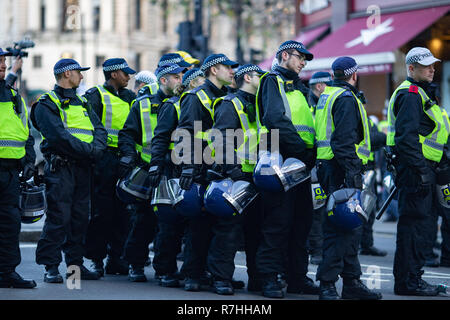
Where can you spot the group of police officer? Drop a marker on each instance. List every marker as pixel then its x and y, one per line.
pixel 93 141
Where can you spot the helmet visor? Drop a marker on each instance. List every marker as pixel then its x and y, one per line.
pixel 292 173
pixel 241 196
pixel 138 184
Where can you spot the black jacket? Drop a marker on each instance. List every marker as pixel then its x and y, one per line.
pixel 95 100
pixel 7 96
pixel 131 132
pixel 192 110
pixel 46 118
pixel 410 122
pixel 162 138
pixel 226 117
pixel 272 115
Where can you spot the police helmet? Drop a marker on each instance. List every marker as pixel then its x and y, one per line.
pixel 273 175
pixel 134 187
pixel 344 209
pixel 225 198
pixel 189 203
pixel 163 200
pixel 32 202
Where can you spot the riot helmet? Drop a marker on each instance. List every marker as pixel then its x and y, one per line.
pixel 134 187
pixel 344 209
pixel 32 202
pixel 368 198
pixel 227 198
pixel 163 200
pixel 273 174
pixel 189 203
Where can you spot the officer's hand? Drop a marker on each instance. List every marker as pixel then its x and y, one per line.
pixel 155 174
pixel 353 180
pixel 28 171
pixel 126 164
pixel 17 65
pixel 236 173
pixel 187 178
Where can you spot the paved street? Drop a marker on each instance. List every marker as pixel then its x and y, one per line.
pixel 377 272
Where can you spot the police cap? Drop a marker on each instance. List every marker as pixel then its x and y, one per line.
pixel 169 69
pixel 191 75
pixel 117 64
pixel 214 59
pixel 344 66
pixel 300 47
pixel 420 55
pixel 64 65
pixel 171 58
pixel 246 68
pixel 321 77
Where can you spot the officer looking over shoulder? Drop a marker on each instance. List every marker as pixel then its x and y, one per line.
pixel 108 226
pixel 282 106
pixel 16 155
pixel 317 84
pixel 142 79
pixel 418 134
pixel 135 144
pixel 73 139
pixel 343 147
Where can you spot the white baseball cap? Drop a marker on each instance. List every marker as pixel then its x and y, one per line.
pixel 420 55
pixel 146 77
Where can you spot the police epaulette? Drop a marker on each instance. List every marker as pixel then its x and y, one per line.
pixel 347 93
pixel 413 89
pixel 229 97
pixel 145 96
pixel 92 90
pixel 172 99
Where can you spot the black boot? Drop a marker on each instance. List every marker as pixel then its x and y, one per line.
pixel 192 284
pixel 304 286
pixel 85 273
pixel 272 287
pixel 373 251
pixel 136 274
pixel 223 287
pixel 52 275
pixel 355 289
pixel 416 287
pixel 328 291
pixel 169 281
pixel 116 266
pixel 97 266
pixel 14 280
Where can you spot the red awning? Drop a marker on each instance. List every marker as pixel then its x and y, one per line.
pixel 373 46
pixel 304 37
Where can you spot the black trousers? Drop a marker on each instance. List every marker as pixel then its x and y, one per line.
pixel 9 220
pixel 253 217
pixel 142 233
pixel 285 228
pixel 315 238
pixel 340 247
pixel 445 232
pixel 109 223
pixel 167 245
pixel 65 227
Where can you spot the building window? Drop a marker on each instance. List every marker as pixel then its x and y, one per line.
pixel 99 61
pixel 43 16
pixel 138 14
pixel 96 14
pixel 37 62
pixel 138 61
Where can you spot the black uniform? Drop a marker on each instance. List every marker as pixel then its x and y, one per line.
pixel 287 215
pixel 227 232
pixel 143 224
pixel 9 196
pixel 108 227
pixel 68 180
pixel 168 239
pixel 340 248
pixel 199 228
pixel 416 196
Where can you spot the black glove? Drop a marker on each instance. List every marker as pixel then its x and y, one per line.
pixel 155 174
pixel 187 178
pixel 353 180
pixel 28 171
pixel 126 164
pixel 96 153
pixel 236 173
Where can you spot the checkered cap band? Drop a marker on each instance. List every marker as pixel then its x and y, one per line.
pixel 170 61
pixel 198 73
pixel 319 80
pixel 245 70
pixel 292 45
pixel 167 70
pixel 115 67
pixel 69 67
pixel 213 62
pixel 418 57
pixel 351 70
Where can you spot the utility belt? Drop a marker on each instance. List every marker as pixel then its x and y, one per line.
pixel 56 162
pixel 9 164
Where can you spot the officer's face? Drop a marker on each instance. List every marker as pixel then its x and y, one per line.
pixel 75 78
pixel 173 81
pixel 295 61
pixel 2 67
pixel 422 73
pixel 121 78
pixel 224 74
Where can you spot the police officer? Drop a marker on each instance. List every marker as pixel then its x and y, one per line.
pixel 108 226
pixel 73 139
pixel 168 239
pixel 197 117
pixel 282 105
pixel 139 130
pixel 16 154
pixel 235 112
pixel 189 59
pixel 317 84
pixel 418 133
pixel 142 79
pixel 341 124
